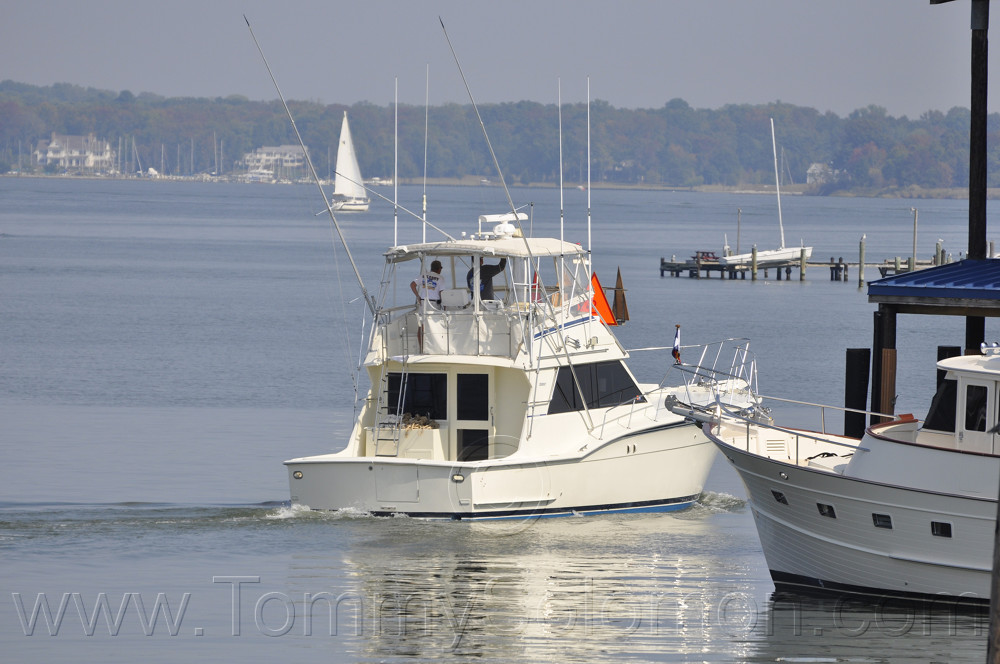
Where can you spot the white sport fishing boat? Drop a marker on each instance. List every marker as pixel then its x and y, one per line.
pixel 501 391
pixel 349 193
pixel 521 405
pixel 908 510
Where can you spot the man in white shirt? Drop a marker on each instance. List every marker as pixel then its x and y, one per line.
pixel 428 287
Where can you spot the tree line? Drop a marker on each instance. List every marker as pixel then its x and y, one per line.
pixel 673 146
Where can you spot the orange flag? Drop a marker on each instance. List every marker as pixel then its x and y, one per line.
pixel 601 301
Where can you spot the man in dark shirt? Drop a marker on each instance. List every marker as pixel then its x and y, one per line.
pixel 486 274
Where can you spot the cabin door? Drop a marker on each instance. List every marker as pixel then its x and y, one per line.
pixel 978 416
pixel 473 424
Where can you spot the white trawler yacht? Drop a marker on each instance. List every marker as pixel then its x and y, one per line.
pixel 517 405
pixel 908 510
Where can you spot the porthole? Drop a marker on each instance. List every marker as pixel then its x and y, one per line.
pixel 940 529
pixel 882 521
pixel 826 510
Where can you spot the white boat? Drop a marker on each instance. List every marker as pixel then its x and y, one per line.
pixel 782 254
pixel 908 510
pixel 517 406
pixel 349 193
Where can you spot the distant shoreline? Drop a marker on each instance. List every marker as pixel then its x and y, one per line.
pixel 913 192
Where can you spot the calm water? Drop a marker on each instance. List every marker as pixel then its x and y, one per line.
pixel 164 346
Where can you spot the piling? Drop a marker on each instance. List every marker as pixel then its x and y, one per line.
pixel 856 390
pixel 802 264
pixel 861 263
pixel 887 403
pixel 753 263
pixel 941 414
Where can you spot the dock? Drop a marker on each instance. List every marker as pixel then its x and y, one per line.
pixel 706 265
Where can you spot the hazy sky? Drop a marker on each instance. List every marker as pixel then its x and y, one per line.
pixel 834 55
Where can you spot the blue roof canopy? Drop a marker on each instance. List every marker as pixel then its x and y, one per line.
pixel 967 283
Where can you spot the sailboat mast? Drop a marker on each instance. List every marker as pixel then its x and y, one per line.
pixel 777 185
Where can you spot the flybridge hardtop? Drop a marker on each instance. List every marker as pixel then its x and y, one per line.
pixel 509 247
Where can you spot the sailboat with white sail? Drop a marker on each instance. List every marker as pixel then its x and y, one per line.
pixel 349 193
pixel 782 254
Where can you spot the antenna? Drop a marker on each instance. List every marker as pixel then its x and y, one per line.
pixel 395 170
pixel 562 267
pixel 560 163
pixel 427 99
pixel 590 264
pixel 312 169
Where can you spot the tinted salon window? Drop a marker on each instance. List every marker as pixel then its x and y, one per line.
pixel 421 394
pixel 603 384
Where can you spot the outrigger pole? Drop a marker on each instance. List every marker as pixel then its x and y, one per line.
pixel 496 163
pixel 364 291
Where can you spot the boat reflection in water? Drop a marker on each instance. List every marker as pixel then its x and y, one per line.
pixel 624 587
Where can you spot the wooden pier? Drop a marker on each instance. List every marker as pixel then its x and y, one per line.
pixel 706 265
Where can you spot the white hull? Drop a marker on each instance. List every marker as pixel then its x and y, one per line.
pixel 768 256
pixel 357 205
pixel 908 510
pixel 660 468
pixel 803 547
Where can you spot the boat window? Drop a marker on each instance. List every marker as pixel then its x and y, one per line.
pixel 780 497
pixel 420 394
pixel 941 416
pixel 473 397
pixel 882 521
pixel 473 444
pixel 603 384
pixel 940 529
pixel 827 510
pixel 975 407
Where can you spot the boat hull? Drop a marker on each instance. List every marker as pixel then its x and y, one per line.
pixel 768 257
pixel 848 551
pixel 659 469
pixel 350 205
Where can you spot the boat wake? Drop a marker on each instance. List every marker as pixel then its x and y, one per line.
pixel 297 511
pixel 713 502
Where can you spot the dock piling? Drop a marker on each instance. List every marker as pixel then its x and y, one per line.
pixel 861 262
